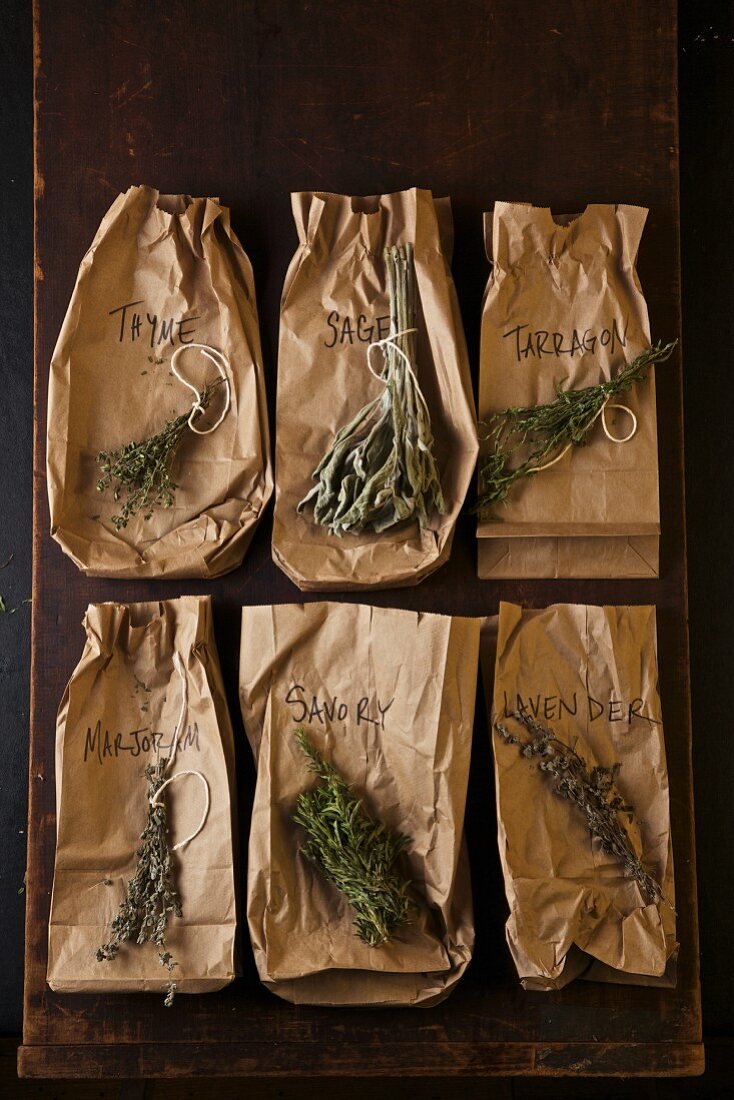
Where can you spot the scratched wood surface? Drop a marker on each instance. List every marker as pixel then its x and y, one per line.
pixel 552 102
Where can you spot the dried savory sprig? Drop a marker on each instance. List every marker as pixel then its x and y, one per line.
pixel 592 790
pixel 549 429
pixel 358 855
pixel 150 896
pixel 142 469
pixel 380 469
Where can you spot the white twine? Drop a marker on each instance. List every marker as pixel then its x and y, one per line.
pixel 612 438
pixel 389 341
pixel 178 665
pixel 220 362
pixel 386 341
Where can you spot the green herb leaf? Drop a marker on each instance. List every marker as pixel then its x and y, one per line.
pixel 592 790
pixel 380 469
pixel 142 470
pixel 354 852
pixel 547 429
pixel 150 896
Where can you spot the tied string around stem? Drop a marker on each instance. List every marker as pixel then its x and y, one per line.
pixel 220 362
pixel 141 470
pixel 155 798
pixel 551 430
pixel 612 438
pixel 389 344
pixel 151 894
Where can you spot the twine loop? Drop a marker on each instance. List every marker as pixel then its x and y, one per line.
pixel 607 433
pixel 389 341
pixel 612 438
pixel 219 359
pixel 154 801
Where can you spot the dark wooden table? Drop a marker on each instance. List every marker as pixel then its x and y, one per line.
pixel 558 103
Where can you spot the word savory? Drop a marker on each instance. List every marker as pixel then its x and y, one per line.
pixel 540 342
pixel 315 709
pixel 138 325
pixel 551 708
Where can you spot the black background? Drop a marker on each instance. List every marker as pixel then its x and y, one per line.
pixel 706 77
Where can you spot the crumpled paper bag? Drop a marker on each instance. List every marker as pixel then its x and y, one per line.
pixel 399 731
pixel 119 712
pixel 163 271
pixel 590 674
pixel 564 304
pixel 335 303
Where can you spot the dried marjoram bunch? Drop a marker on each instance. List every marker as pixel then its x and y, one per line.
pixel 592 790
pixel 380 469
pixel 142 470
pixel 150 896
pixel 551 430
pixel 354 852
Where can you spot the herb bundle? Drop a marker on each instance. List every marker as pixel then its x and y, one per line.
pixel 358 855
pixel 592 790
pixel 142 469
pixel 380 469
pixel 549 430
pixel 150 895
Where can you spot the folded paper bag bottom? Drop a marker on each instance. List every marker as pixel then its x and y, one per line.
pixel 581 556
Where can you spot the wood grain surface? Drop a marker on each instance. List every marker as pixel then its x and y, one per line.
pixel 558 103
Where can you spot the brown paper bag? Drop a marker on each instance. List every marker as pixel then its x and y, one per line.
pixel 335 303
pixel 123 706
pixel 163 271
pixel 590 674
pixel 564 304
pixel 400 731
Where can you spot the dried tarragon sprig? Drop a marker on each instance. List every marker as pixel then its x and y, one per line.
pixel 354 852
pixel 151 896
pixel 142 469
pixel 592 790
pixel 380 469
pixel 548 429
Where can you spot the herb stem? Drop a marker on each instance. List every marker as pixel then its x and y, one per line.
pixel 593 791
pixel 380 469
pixel 548 429
pixel 356 853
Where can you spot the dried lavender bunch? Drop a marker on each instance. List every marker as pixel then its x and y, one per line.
pixel 150 895
pixel 354 852
pixel 380 469
pixel 548 429
pixel 142 469
pixel 592 790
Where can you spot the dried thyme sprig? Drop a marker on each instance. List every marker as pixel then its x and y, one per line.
pixel 358 855
pixel 548 429
pixel 592 790
pixel 150 896
pixel 380 469
pixel 142 469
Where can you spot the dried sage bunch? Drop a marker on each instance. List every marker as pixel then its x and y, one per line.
pixel 142 470
pixel 592 790
pixel 354 852
pixel 380 469
pixel 550 430
pixel 150 895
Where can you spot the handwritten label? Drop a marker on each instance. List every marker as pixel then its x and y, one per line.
pixel 102 745
pixel 143 325
pixel 551 708
pixel 305 707
pixel 348 330
pixel 539 342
